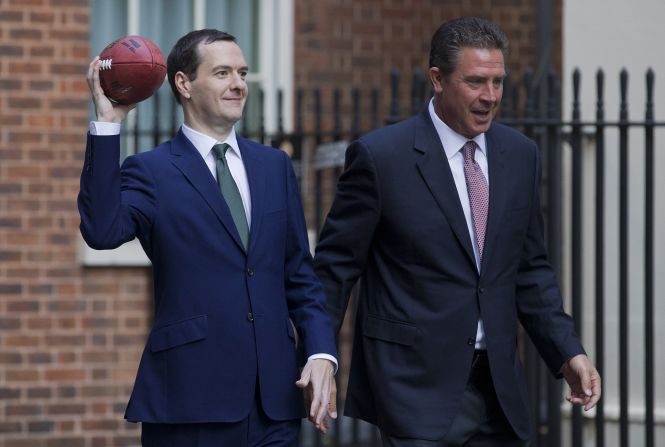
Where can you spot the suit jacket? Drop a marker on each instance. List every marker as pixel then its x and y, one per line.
pixel 397 223
pixel 221 321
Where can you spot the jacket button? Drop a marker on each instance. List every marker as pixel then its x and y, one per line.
pixel 250 317
pixel 250 272
pixel 471 341
pixel 481 290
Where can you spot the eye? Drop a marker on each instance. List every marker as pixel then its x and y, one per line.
pixel 243 74
pixel 221 73
pixel 474 82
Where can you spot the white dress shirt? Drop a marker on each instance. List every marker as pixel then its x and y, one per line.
pixel 452 143
pixel 203 144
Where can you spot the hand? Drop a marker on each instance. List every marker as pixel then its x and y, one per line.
pixel 320 390
pixel 107 111
pixel 584 381
pixel 332 406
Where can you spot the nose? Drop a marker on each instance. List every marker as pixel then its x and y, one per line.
pixel 237 81
pixel 491 92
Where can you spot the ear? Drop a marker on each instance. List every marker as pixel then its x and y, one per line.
pixel 183 84
pixel 436 78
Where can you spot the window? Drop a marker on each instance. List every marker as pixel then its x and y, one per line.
pixel 264 29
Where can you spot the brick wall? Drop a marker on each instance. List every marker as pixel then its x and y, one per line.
pixel 344 43
pixel 70 337
pixel 356 43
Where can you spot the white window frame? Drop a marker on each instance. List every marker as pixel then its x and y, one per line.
pixel 276 22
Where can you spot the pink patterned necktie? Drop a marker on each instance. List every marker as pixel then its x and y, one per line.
pixel 476 185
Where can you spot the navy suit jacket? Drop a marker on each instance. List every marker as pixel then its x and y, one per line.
pixel 397 223
pixel 221 322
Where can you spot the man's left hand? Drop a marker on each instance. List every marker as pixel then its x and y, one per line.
pixel 584 381
pixel 316 380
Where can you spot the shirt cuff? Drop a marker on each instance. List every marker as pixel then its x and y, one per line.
pixel 324 356
pixel 104 128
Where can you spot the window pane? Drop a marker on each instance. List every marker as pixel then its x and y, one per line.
pixel 163 22
pixel 108 22
pixel 240 18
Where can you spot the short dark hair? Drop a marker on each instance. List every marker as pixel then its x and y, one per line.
pixel 185 55
pixel 464 32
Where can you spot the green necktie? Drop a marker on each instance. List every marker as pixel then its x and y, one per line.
pixel 230 192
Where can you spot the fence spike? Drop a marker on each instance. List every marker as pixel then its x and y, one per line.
pixel 417 91
pixel 600 88
pixel 650 78
pixel 299 114
pixel 393 116
pixel 375 107
pixel 337 119
pixel 623 83
pixel 577 76
pixel 355 121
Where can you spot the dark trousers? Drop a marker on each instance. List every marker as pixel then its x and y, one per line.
pixel 480 422
pixel 257 430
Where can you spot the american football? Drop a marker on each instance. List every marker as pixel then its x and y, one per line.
pixel 132 69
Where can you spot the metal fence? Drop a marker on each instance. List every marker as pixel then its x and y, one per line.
pixel 567 146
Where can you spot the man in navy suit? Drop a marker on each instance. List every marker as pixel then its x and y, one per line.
pixel 221 220
pixel 439 216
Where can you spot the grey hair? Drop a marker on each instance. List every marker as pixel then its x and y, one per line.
pixel 464 32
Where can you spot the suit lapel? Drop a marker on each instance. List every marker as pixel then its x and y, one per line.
pixel 498 182
pixel 188 160
pixel 435 170
pixel 256 179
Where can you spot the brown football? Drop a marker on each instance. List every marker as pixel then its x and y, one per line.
pixel 132 70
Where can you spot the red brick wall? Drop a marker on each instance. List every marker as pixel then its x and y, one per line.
pixel 356 43
pixel 70 337
pixel 344 43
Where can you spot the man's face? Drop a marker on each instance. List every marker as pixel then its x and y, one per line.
pixel 217 96
pixel 468 98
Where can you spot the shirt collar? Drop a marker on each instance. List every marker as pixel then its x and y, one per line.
pixel 204 143
pixel 452 141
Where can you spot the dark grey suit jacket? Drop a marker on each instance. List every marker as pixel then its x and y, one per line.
pixel 397 224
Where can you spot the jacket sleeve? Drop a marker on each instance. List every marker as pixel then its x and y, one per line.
pixel 539 302
pixel 347 234
pixel 304 294
pixel 115 204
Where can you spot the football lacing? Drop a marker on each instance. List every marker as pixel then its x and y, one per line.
pixel 106 64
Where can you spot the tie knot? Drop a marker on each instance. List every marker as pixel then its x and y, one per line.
pixel 219 150
pixel 469 150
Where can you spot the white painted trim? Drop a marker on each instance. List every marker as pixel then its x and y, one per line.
pixel 267 57
pixel 276 40
pixel 133 21
pixel 285 49
pixel 199 14
pixel 130 254
pixel 133 16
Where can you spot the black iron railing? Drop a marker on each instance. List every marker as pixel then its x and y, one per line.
pixel 566 145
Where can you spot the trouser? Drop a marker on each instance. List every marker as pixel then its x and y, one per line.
pixel 256 430
pixel 480 421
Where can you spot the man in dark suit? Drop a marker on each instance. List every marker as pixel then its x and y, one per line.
pixel 221 220
pixel 439 216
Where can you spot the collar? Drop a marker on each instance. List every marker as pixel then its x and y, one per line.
pixel 204 143
pixel 452 141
